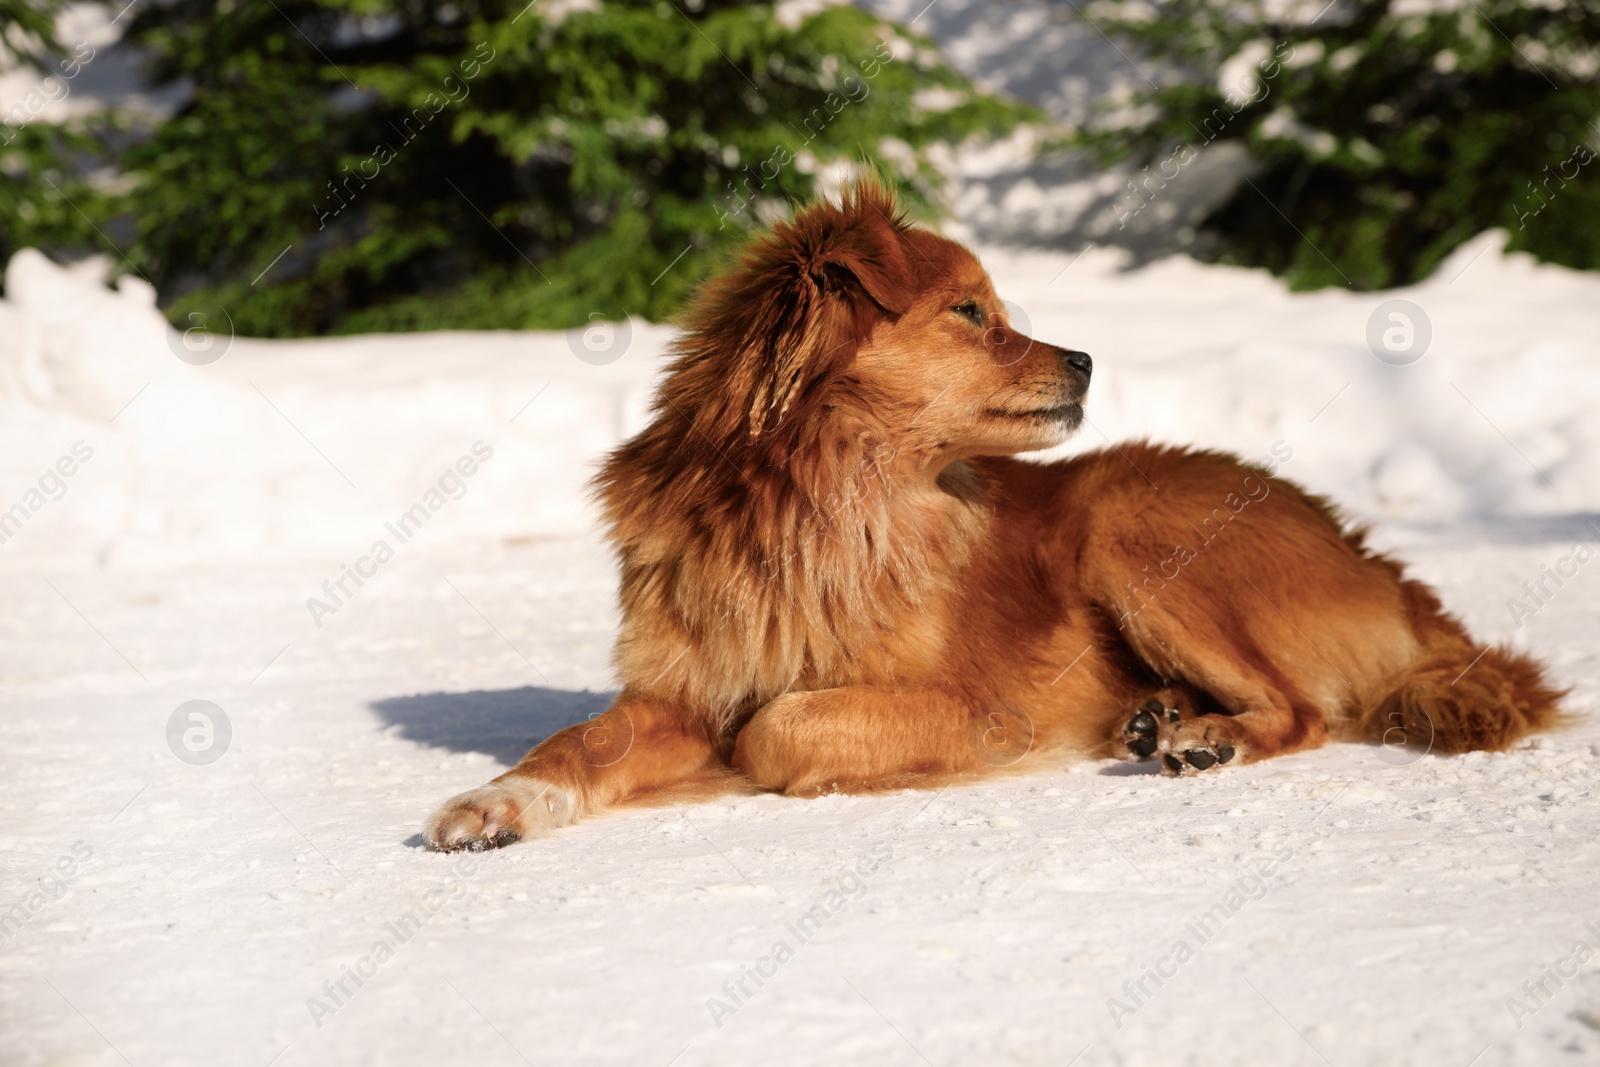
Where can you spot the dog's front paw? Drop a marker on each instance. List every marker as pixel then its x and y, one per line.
pixel 498 814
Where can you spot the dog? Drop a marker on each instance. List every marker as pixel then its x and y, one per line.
pixel 836 576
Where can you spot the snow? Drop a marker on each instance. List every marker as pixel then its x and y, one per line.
pixel 90 73
pixel 1334 906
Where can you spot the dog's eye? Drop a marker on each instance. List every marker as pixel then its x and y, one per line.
pixel 970 310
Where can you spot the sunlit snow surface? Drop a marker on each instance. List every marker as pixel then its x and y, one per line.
pixel 208 914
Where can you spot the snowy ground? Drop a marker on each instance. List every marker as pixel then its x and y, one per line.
pixel 159 911
pixel 211 909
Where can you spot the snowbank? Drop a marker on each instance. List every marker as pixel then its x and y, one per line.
pixel 307 449
pixel 290 449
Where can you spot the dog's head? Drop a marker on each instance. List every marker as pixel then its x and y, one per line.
pixel 850 309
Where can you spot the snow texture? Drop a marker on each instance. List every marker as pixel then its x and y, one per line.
pixel 1347 906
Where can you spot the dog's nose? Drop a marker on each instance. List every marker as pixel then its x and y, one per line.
pixel 1078 361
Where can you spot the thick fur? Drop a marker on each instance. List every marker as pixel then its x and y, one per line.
pixel 833 575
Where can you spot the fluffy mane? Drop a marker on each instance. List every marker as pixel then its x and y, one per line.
pixel 762 540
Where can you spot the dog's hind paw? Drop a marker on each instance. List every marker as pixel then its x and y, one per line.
pixel 1197 759
pixel 1155 719
pixel 1201 745
pixel 1140 735
pixel 1183 729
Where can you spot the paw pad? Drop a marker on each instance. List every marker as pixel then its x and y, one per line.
pixel 1140 735
pixel 484 844
pixel 1199 758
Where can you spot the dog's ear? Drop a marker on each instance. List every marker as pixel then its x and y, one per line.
pixel 872 254
pixel 789 316
pixel 853 266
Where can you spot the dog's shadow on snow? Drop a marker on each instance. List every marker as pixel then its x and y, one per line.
pixel 502 723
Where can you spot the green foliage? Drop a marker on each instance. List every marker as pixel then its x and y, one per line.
pixel 39 186
pixel 41 165
pixel 487 164
pixel 1384 135
pixel 27 28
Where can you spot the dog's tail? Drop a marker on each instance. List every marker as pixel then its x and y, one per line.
pixel 1457 695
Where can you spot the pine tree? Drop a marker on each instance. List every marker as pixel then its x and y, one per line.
pixel 1384 134
pixel 41 165
pixel 355 165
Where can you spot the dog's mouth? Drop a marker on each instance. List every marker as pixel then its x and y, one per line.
pixel 1069 413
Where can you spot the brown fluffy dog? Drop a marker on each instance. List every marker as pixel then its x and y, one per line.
pixel 834 576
